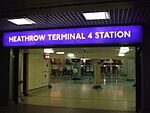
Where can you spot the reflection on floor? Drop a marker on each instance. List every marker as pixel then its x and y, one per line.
pixel 77 94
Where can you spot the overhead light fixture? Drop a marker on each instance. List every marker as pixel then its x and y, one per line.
pixel 60 53
pixel 48 50
pixel 97 15
pixel 124 49
pixel 84 60
pixel 22 21
pixel 71 55
pixel 121 54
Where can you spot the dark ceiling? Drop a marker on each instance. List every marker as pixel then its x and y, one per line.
pixel 121 13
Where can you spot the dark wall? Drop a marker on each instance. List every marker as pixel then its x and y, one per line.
pixel 146 71
pixel 4 74
pixel 8 74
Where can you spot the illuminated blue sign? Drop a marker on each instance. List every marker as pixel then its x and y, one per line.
pixel 74 36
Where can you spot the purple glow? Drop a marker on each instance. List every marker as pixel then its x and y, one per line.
pixel 74 36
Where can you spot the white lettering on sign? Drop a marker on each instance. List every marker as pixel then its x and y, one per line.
pixel 73 36
pixel 106 35
pixel 27 38
pixel 90 35
pixel 113 34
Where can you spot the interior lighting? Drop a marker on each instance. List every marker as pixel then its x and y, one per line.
pixel 22 21
pixel 104 80
pixel 121 54
pixel 48 50
pixel 124 49
pixel 60 53
pixel 84 59
pixel 96 15
pixel 71 55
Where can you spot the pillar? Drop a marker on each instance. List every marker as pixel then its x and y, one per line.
pixel 97 75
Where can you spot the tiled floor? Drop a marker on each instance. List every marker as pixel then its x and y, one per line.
pixel 74 95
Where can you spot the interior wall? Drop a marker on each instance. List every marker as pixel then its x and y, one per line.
pixel 129 68
pixel 38 71
pixel 20 77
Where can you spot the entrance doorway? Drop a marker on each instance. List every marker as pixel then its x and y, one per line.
pixel 67 78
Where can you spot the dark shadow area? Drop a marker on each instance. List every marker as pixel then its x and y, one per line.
pixel 50 109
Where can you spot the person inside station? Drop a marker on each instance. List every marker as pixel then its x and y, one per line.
pixel 65 71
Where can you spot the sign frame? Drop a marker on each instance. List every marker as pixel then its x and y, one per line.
pixel 106 35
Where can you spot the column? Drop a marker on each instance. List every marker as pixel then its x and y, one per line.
pixel 97 74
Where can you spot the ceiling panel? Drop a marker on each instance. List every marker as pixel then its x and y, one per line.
pixel 118 16
pixel 88 52
pixel 11 5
